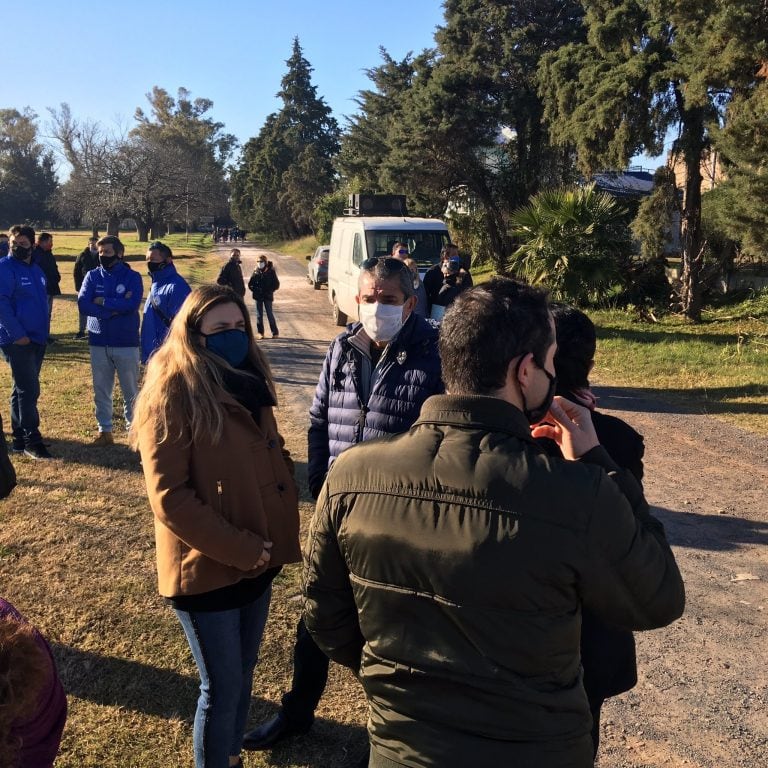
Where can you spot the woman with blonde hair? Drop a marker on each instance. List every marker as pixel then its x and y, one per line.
pixel 220 484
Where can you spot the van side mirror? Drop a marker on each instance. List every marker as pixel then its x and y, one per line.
pixel 308 258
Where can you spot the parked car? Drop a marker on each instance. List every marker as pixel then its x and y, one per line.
pixel 317 270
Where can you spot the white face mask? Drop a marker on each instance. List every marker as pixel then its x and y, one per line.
pixel 381 322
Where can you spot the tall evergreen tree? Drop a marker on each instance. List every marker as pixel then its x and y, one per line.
pixel 288 167
pixel 647 65
pixel 472 121
pixel 27 176
pixel 364 145
pixel 742 146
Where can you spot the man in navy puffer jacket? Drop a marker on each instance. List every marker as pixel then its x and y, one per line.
pixel 375 378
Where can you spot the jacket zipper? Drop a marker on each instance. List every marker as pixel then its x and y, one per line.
pixel 220 492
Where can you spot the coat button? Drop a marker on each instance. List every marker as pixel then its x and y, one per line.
pixel 271 443
pixel 280 487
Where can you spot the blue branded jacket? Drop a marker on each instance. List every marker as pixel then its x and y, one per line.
pixel 116 322
pixel 356 401
pixel 166 295
pixel 23 302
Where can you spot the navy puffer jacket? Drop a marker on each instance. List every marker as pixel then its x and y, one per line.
pixel 407 374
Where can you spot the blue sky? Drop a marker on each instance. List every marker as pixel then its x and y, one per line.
pixel 102 58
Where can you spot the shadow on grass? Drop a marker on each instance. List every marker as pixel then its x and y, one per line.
pixel 327 745
pixel 715 533
pixel 117 456
pixel 646 336
pixel 138 687
pixel 695 401
pixel 111 681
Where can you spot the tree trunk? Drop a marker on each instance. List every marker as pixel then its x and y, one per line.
pixel 113 226
pixel 494 226
pixel 155 231
pixel 693 142
pixel 142 230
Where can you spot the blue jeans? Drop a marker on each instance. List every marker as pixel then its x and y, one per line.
pixel 26 362
pixel 105 361
pixel 225 646
pixel 260 307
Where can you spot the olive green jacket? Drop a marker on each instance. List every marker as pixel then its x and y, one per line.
pixel 448 566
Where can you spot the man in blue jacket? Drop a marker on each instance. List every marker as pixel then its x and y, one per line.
pixel 111 295
pixel 375 378
pixel 24 326
pixel 166 295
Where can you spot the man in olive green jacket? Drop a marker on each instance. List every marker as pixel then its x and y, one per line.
pixel 447 566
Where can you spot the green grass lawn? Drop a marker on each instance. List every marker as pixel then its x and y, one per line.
pixel 719 366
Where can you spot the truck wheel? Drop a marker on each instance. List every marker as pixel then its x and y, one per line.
pixel 316 285
pixel 338 316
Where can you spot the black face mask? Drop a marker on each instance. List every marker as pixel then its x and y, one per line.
pixel 21 252
pixel 156 266
pixel 535 415
pixel 107 261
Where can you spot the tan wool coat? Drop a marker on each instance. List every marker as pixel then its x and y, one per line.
pixel 215 505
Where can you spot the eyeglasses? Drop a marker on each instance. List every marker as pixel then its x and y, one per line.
pixel 391 264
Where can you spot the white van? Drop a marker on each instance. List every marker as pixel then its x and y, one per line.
pixel 357 238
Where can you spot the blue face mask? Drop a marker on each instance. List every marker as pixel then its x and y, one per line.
pixel 231 345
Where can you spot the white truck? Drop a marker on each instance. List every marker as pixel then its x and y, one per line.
pixel 370 227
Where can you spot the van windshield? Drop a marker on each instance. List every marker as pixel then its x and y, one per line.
pixel 424 245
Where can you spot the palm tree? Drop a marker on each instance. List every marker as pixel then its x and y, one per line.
pixel 574 241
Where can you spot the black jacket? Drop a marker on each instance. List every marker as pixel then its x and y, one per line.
pixel 264 283
pixel 84 263
pixel 47 262
pixel 232 275
pixel 607 652
pixel 448 567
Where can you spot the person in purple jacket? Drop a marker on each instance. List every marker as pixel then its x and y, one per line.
pixel 33 708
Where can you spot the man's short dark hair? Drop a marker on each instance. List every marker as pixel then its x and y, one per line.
pixel 157 245
pixel 486 328
pixel 44 237
pixel 24 230
pixel 117 246
pixel 576 344
pixel 388 268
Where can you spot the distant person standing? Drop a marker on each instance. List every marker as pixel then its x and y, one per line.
pixel 231 273
pixel 418 288
pixel 455 281
pixel 43 256
pixel 434 277
pixel 262 285
pixel 87 260
pixel 3 245
pixel 24 326
pixel 111 296
pixel 166 295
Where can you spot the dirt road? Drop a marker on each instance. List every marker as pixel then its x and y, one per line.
pixel 702 695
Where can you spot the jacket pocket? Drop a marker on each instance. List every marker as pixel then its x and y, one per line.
pixel 222 498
